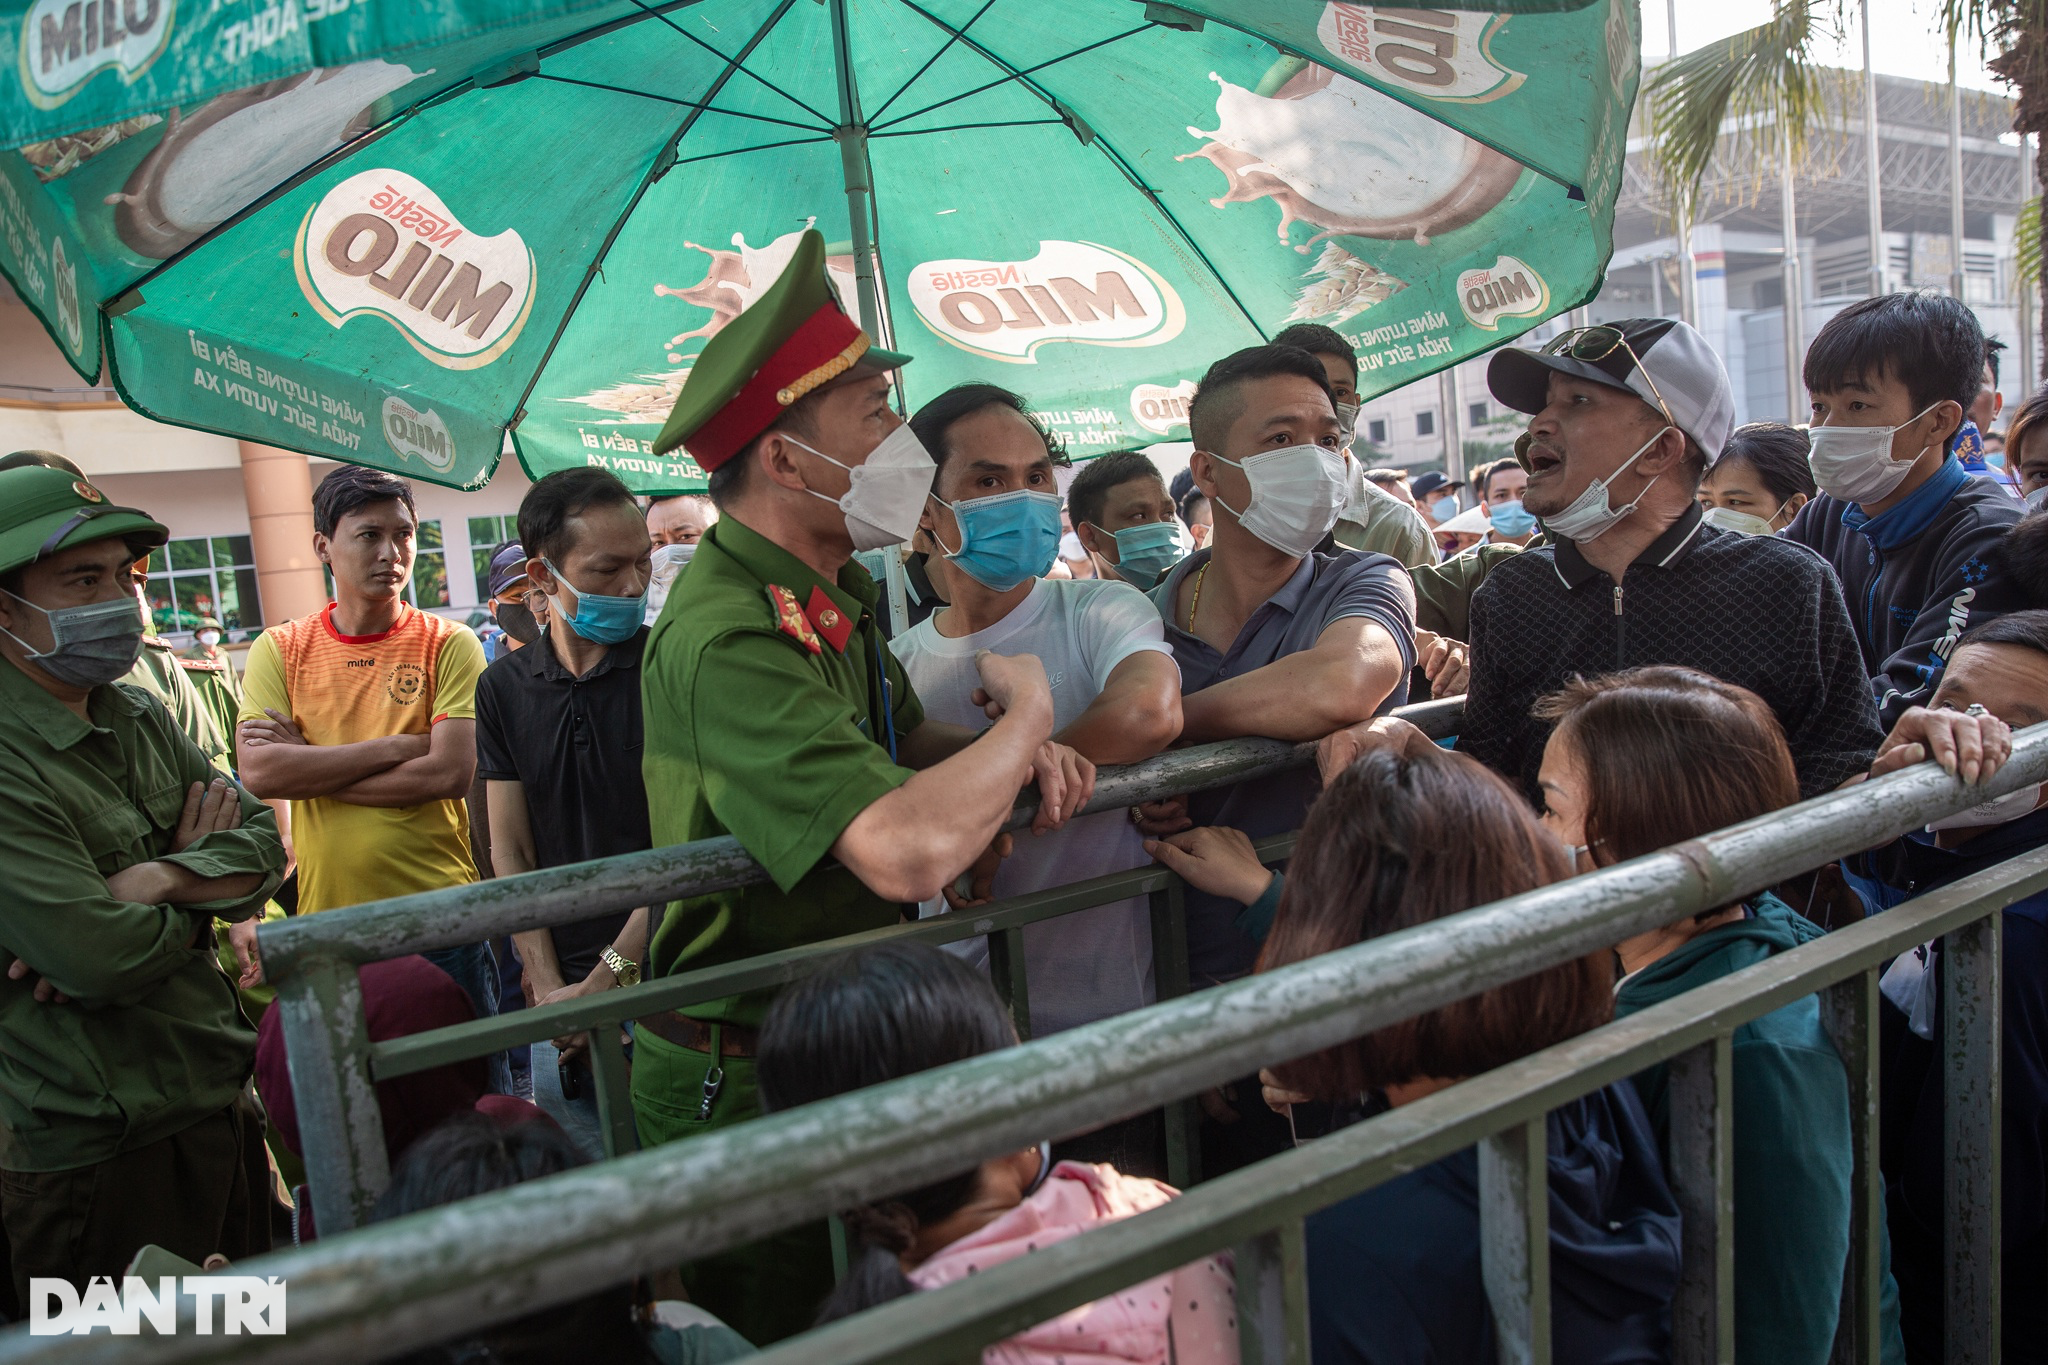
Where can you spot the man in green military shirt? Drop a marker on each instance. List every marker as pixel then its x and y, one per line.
pixel 775 713
pixel 125 1117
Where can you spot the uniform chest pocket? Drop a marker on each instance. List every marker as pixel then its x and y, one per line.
pixel 125 822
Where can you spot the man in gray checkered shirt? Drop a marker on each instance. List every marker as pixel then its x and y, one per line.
pixel 1625 420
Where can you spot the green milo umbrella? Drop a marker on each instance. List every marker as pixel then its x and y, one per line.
pixel 1086 201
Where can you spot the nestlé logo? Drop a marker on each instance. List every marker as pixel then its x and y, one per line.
pixel 1440 54
pixel 1069 291
pixel 417 433
pixel 1159 409
pixel 1505 289
pixel 380 242
pixel 64 42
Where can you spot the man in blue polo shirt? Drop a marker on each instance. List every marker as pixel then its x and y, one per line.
pixel 1911 535
pixel 1272 638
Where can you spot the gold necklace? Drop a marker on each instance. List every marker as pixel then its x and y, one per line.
pixel 1195 605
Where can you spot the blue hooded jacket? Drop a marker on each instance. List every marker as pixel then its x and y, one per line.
pixel 1394 1273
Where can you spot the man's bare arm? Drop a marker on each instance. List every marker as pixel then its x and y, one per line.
pixel 1353 668
pixel 443 773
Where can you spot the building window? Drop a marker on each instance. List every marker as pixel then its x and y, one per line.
pixel 429 585
pixel 1425 423
pixel 204 576
pixel 1376 431
pixel 1476 414
pixel 485 535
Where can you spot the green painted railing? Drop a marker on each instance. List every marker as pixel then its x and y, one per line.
pixel 359 1296
pixel 312 961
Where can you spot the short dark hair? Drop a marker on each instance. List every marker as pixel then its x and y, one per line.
pixel 725 483
pixel 1384 477
pixel 1992 346
pixel 888 1011
pixel 351 488
pixel 1483 475
pixel 935 419
pixel 471 1155
pixel 1401 840
pixel 1216 403
pixel 1669 754
pixel 1777 452
pixel 545 511
pixel 1929 342
pixel 2027 629
pixel 1317 339
pixel 1089 492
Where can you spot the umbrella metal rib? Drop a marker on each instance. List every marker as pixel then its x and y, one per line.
pixel 931 61
pixel 704 106
pixel 1015 74
pixel 740 61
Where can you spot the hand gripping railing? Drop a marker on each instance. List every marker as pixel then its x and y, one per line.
pixel 435 1274
pixel 312 961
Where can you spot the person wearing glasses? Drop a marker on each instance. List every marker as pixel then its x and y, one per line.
pixel 1625 421
pixel 1912 535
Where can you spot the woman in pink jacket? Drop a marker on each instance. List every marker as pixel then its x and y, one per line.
pixel 897 1009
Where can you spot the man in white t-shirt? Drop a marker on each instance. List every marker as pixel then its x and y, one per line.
pixel 992 529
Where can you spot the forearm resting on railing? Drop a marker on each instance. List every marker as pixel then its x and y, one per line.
pixel 910 843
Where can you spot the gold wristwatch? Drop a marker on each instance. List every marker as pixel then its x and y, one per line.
pixel 625 971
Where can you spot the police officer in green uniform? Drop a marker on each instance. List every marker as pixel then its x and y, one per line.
pixel 774 712
pixel 125 1117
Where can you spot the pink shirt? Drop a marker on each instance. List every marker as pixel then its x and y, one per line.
pixel 1188 1317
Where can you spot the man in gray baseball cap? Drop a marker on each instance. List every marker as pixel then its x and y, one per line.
pixel 1625 419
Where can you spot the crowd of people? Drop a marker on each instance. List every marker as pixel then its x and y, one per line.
pixel 1662 624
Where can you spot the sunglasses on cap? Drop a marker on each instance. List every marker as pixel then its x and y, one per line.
pixel 1593 345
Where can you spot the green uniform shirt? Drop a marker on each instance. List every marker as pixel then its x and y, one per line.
pixel 158 671
pixel 751 734
pixel 153 1040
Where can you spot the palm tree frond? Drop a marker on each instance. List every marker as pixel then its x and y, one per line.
pixel 1750 85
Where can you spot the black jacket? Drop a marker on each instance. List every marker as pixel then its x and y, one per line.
pixel 1750 610
pixel 1916 577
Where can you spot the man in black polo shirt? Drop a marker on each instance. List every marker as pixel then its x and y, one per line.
pixel 1626 418
pixel 558 740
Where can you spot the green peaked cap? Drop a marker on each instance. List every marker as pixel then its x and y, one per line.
pixel 792 340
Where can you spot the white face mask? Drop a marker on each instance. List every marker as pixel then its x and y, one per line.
pixel 1742 523
pixel 1297 494
pixel 1347 418
pixel 885 494
pixel 1855 464
pixel 1999 810
pixel 209 638
pixel 1593 513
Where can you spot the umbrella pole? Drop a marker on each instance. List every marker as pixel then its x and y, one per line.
pixel 852 137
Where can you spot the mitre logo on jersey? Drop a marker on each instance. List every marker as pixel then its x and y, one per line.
pixel 381 242
pixel 64 42
pixel 1069 291
pixel 1440 54
pixel 1505 289
pixel 418 434
pixel 1159 409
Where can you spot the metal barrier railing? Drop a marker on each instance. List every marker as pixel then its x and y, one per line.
pixel 334 1065
pixel 392 1286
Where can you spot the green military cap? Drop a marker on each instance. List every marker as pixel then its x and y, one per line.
pixel 44 510
pixel 793 339
pixel 207 623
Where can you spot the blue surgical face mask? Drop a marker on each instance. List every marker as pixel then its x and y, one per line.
pixel 1443 509
pixel 1004 539
pixel 1145 552
pixel 1510 518
pixel 600 619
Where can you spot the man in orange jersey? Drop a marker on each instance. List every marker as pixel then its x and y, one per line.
pixel 364 717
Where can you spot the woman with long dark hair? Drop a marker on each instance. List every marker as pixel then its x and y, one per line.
pixel 1406 835
pixel 898 1009
pixel 1649 758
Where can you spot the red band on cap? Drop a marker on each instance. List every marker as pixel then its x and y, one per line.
pixel 819 339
